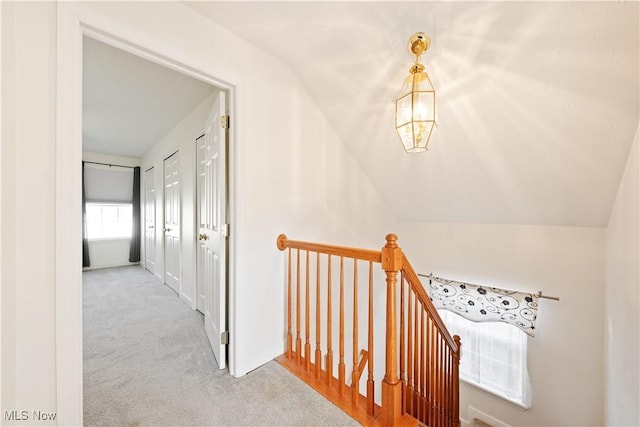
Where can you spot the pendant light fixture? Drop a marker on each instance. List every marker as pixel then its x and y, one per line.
pixel 416 104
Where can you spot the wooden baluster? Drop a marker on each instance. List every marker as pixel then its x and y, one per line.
pixel 289 336
pixel 442 378
pixel 417 362
pixel 439 379
pixel 318 352
pixel 431 371
pixel 429 349
pixel 370 385
pixel 410 352
pixel 341 384
pixel 436 378
pixel 329 359
pixel 445 374
pixel 307 346
pixel 446 386
pixel 402 340
pixel 456 383
pixel 391 386
pixel 416 357
pixel 424 360
pixel 449 385
pixel 298 341
pixel 356 384
pixel 427 370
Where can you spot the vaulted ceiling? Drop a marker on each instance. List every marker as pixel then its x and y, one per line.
pixel 130 103
pixel 538 101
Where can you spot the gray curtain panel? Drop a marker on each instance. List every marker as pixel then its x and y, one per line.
pixel 86 261
pixel 134 251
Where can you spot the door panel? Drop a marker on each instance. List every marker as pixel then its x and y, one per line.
pixel 201 212
pixel 212 242
pixel 150 220
pixel 172 222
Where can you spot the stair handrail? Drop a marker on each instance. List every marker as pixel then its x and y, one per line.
pixel 363 254
pixel 418 288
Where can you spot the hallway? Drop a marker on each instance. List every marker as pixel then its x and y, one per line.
pixel 147 361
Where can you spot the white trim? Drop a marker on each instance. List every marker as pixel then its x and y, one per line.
pixel 188 301
pixel 68 216
pixel 520 405
pixel 475 414
pixel 74 22
pixel 1 341
pixel 103 266
pixel 233 99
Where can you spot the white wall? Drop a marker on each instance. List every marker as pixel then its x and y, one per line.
pixel 7 217
pixel 622 301
pixel 181 138
pixel 565 358
pixel 28 206
pixel 291 174
pixel 90 156
pixel 107 253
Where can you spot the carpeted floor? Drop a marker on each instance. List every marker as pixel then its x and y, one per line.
pixel 147 362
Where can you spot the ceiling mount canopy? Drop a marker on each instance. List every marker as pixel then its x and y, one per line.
pixel 416 103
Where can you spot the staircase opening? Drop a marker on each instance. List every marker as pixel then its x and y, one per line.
pixel 362 331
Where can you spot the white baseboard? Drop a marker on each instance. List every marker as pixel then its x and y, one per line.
pixel 99 267
pixel 474 413
pixel 187 300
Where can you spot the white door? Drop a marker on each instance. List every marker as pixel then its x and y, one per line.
pixel 149 220
pixel 201 215
pixel 172 222
pixel 212 228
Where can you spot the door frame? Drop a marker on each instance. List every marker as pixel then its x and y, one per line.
pixel 74 21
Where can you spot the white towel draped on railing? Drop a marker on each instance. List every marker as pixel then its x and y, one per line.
pixel 484 303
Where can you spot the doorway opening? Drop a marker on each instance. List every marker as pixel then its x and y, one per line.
pixel 73 28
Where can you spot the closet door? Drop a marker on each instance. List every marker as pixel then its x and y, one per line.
pixel 150 220
pixel 172 222
pixel 201 212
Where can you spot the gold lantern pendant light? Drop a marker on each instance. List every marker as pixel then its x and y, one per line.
pixel 416 104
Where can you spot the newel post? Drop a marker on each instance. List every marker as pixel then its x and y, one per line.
pixel 391 385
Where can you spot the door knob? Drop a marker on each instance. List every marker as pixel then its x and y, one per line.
pixel 203 236
pixel 167 230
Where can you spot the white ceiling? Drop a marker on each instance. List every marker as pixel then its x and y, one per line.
pixel 538 101
pixel 130 103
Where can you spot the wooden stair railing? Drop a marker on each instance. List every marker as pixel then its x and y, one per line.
pixel 420 384
pixel 429 357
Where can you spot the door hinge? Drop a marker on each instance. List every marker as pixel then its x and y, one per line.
pixel 224 337
pixel 226 230
pixel 224 121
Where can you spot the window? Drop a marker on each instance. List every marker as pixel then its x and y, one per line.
pixel 494 357
pixel 109 221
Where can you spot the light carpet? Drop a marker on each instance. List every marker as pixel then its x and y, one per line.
pixel 147 361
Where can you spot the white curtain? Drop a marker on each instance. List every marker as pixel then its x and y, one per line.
pixel 494 357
